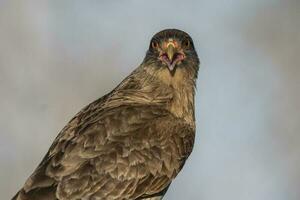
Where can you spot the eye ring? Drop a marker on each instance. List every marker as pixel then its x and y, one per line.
pixel 186 43
pixel 154 44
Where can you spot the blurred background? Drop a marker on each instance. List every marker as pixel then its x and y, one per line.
pixel 57 56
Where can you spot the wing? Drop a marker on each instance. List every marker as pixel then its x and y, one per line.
pixel 118 147
pixel 129 152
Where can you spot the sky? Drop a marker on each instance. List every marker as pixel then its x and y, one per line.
pixel 58 56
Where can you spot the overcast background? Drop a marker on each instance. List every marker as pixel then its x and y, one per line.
pixel 57 56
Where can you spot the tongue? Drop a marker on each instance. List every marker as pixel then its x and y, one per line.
pixel 171 66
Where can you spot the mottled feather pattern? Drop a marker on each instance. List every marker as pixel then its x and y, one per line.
pixel 130 144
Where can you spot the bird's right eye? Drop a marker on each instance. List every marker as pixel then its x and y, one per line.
pixel 154 44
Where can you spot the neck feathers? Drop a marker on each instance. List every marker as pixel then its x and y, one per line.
pixel 181 87
pixel 158 87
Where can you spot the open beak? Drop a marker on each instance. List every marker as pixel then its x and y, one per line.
pixel 171 55
pixel 170 50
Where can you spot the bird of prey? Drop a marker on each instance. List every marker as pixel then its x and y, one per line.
pixel 132 142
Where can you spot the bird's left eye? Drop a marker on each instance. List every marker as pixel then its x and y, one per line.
pixel 186 43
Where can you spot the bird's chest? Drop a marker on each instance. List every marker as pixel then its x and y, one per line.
pixel 171 144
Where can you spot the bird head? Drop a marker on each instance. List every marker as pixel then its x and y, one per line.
pixel 172 49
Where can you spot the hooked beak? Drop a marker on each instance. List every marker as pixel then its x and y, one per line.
pixel 170 50
pixel 172 56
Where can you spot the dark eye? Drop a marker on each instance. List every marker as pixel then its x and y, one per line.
pixel 186 43
pixel 154 44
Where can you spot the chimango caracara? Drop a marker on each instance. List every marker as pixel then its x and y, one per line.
pixel 131 143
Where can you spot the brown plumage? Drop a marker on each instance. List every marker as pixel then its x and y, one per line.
pixel 131 143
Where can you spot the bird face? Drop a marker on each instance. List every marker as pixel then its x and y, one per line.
pixel 170 52
pixel 172 48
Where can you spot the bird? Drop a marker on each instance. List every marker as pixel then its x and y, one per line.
pixel 131 143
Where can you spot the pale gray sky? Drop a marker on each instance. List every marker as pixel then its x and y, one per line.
pixel 57 56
